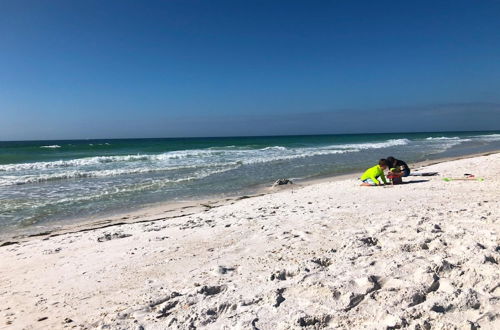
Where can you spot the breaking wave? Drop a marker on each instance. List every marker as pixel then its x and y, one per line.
pixel 54 146
pixel 183 158
pixel 488 138
pixel 442 138
pixel 26 179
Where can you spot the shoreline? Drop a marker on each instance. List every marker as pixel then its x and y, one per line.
pixel 171 210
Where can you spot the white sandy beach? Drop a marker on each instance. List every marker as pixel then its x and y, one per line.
pixel 327 255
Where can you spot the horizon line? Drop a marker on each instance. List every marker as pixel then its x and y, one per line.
pixel 250 136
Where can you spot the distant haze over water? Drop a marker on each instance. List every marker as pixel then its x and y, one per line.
pixel 45 181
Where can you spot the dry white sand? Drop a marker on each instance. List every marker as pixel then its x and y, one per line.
pixel 329 255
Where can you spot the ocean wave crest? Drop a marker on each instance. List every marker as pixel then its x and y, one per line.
pixel 75 174
pixel 274 148
pixel 442 138
pixel 488 137
pixel 54 146
pixel 375 145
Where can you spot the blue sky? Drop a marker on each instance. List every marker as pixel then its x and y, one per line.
pixel 97 69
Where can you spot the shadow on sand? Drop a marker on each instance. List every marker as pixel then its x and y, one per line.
pixel 414 181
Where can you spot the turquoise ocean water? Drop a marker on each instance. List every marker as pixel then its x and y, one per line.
pixel 46 181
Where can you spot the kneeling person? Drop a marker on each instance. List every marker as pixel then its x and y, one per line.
pixel 371 175
pixel 398 167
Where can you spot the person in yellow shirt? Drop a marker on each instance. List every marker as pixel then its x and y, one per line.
pixel 371 175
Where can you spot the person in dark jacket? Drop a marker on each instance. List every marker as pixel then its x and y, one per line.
pixel 398 165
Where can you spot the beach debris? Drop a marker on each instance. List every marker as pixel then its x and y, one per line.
pixel 224 270
pixel 108 237
pixel 211 290
pixel 44 233
pixel 8 243
pixel 282 182
pixel 282 275
pixel 52 251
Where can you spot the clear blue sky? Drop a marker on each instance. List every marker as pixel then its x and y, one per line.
pixel 90 69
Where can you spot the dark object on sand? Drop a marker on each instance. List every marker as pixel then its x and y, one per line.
pixel 424 174
pixel 282 182
pixel 395 177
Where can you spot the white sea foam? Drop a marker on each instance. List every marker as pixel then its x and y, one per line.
pixel 8 180
pixel 89 161
pixel 274 148
pixel 443 143
pixel 375 145
pixel 69 163
pixel 297 153
pixel 112 192
pixel 488 137
pixel 451 141
pixel 54 146
pixel 442 138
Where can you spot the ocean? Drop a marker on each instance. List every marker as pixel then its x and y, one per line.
pixel 44 182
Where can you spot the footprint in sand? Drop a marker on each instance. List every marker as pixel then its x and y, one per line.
pixel 109 237
pixel 323 262
pixel 315 321
pixel 222 270
pixel 282 275
pixel 211 290
pixel 279 299
pixel 369 241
